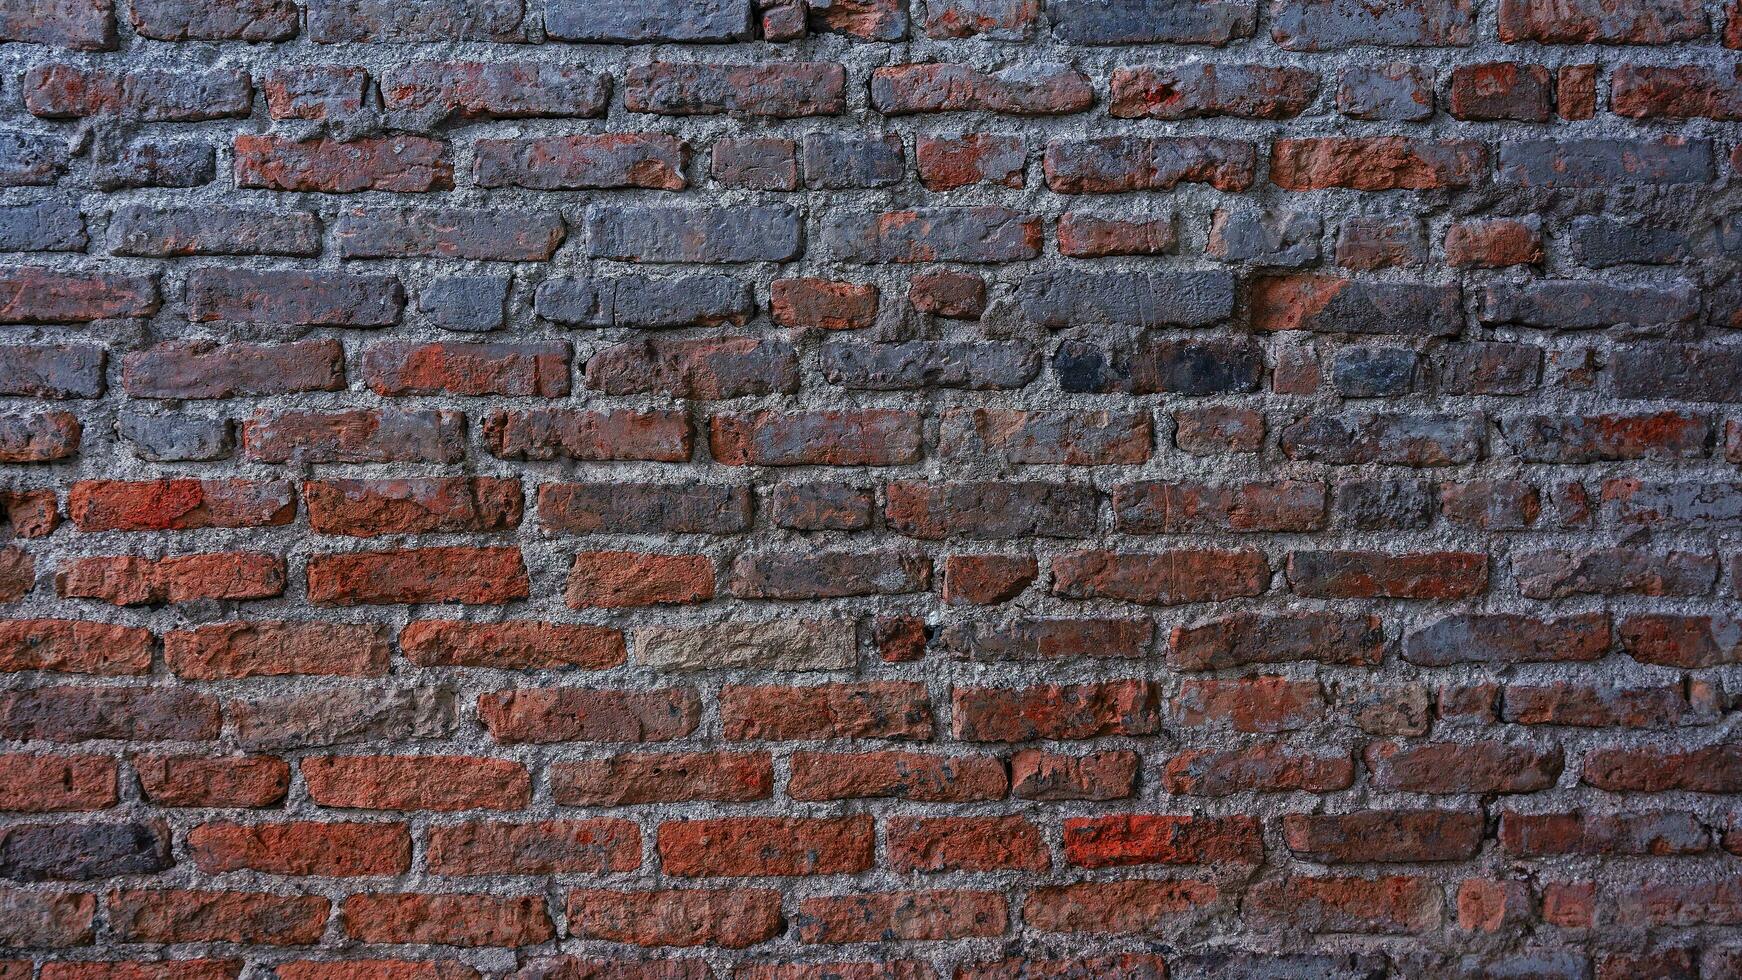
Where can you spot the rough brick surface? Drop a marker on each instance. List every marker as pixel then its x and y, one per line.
pixel 870 489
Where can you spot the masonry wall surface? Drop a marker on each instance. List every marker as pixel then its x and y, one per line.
pixel 954 488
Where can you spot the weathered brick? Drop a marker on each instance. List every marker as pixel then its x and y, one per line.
pixel 625 22
pixel 1115 165
pixel 729 918
pixel 155 232
pixel 613 579
pixel 1325 25
pixel 548 847
pixel 946 164
pixel 876 709
pixel 704 369
pixel 1036 89
pixel 357 436
pixel 1603 162
pixel 421 575
pixel 785 846
pixel 339 21
pixel 924 364
pixel 448 233
pixel 661 778
pixel 645 508
pixel 34 294
pixel 294 298
pixel 1370 574
pixel 990 511
pixel 448 919
pixel 531 369
pixel 780 644
pixel 782 89
pixel 970 234
pixel 557 433
pixel 495 90
pixel 552 163
pixel 1392 90
pixel 659 233
pixel 855 438
pixel 1186 299
pixel 1202 90
pixel 163 915
pixel 1553 572
pixel 1151 21
pixel 214 20
pixel 1397 440
pixel 1182 367
pixel 69 92
pixel 373 163
pixel 1634 22
pixel 131 581
pixel 1379 163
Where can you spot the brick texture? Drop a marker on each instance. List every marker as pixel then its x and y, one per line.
pixel 870 489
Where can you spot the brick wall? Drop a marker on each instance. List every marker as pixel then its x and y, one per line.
pixel 666 489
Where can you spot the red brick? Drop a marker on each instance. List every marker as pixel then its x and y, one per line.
pixel 329 850
pixel 536 369
pixel 938 844
pixel 566 714
pixel 745 846
pixel 1073 711
pixel 423 505
pixel 901 916
pixel 377 163
pixel 1252 704
pixel 548 847
pixel 875 709
pixel 466 575
pixel 945 164
pixel 178 505
pixel 1384 835
pixel 1266 767
pixel 985 580
pixel 213 781
pixel 200 369
pixel 616 579
pixel 416 782
pixel 276 648
pixel 1369 574
pixel 1162 579
pixel 1117 907
pixel 1453 767
pixel 730 918
pixel 663 778
pixel 1713 769
pixel 898 775
pixel 511 646
pixel 127 580
pixel 1379 163
pixel 193 916
pixel 449 920
pixel 1104 842
pixel 823 303
pixel 31 783
pixel 1036 774
pixel 72 647
pixel 1087 236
